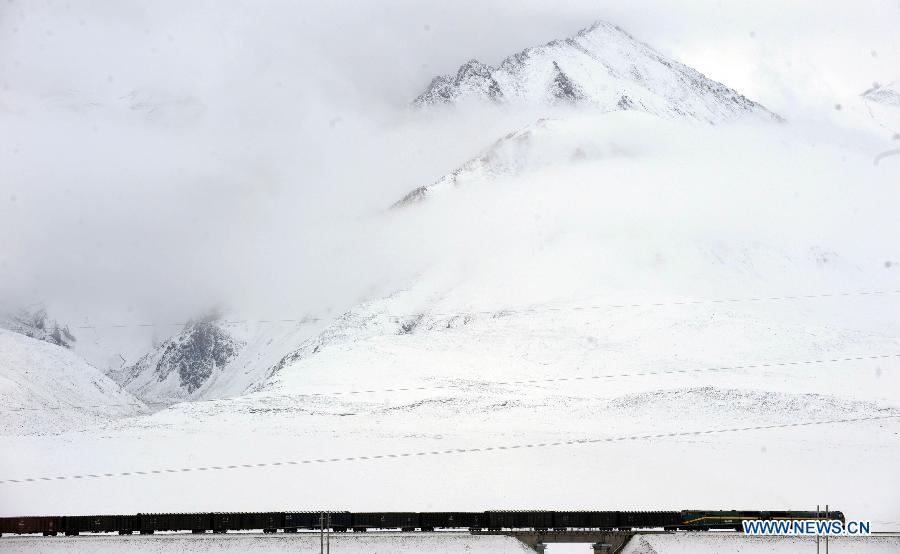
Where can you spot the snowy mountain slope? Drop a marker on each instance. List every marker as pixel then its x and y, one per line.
pixel 547 142
pixel 649 211
pixel 602 67
pixel 210 357
pixel 46 389
pixel 472 352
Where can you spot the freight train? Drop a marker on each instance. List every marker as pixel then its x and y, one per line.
pixel 291 522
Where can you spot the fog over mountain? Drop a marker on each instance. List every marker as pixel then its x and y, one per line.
pixel 155 156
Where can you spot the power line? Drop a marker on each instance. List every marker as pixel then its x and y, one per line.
pixel 501 311
pixel 77 407
pixel 422 453
pixel 484 383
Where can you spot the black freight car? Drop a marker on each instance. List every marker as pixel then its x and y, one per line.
pixel 150 523
pixel 645 520
pixel 73 525
pixel 340 521
pixel 268 522
pixel 128 524
pixel 475 521
pixel 313 520
pixel 585 520
pixel 405 521
pixel 519 519
pixel 301 520
pixel 222 522
pixel 46 525
pixel 196 522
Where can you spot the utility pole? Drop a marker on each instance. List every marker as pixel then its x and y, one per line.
pixel 322 533
pixel 826 536
pixel 328 535
pixel 817 535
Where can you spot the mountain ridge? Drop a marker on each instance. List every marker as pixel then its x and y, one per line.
pixel 601 66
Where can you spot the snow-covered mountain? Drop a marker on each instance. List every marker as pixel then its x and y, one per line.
pixel 602 67
pixel 211 357
pixel 36 324
pixel 182 364
pixel 47 389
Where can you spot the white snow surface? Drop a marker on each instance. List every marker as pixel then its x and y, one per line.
pixel 47 389
pixel 720 542
pixel 436 542
pixel 252 543
pixel 602 67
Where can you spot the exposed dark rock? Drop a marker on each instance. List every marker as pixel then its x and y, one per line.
pixel 563 88
pixel 195 354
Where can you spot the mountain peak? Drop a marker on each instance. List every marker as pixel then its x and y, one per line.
pixel 601 67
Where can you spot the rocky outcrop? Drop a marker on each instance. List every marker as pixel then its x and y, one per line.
pixel 183 364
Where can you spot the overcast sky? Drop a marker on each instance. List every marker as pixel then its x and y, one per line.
pixel 180 150
pixel 385 52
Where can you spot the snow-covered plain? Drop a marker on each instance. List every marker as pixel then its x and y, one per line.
pixel 257 543
pixel 438 542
